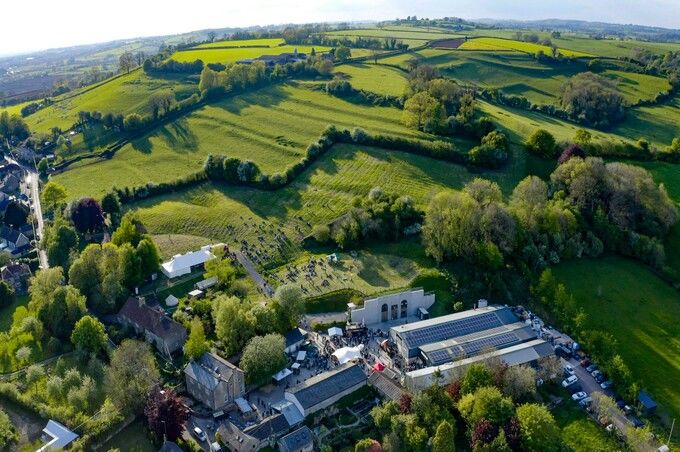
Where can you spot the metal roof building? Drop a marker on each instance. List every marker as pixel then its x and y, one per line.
pixel 411 337
pixel 522 353
pixel 300 440
pixel 323 390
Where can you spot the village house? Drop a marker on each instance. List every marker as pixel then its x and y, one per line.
pixel 256 436
pixel 160 330
pixel 10 183
pixel 16 275
pixel 13 241
pixel 214 381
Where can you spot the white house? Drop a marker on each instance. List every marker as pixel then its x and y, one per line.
pixel 182 264
pixel 392 307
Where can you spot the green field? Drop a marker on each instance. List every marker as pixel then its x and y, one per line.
pixel 641 311
pixel 518 73
pixel 126 94
pixel 519 46
pixel 294 117
pixel 378 79
pixel 322 193
pixel 272 42
pixel 208 55
pixel 610 48
pixel 408 35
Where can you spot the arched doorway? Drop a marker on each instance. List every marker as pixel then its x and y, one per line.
pixel 404 309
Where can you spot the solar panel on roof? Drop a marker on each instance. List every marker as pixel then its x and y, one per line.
pixel 455 328
pixel 472 347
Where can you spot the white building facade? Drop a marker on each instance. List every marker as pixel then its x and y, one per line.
pixel 392 307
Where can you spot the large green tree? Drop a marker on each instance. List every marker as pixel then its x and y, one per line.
pixel 131 375
pixel 89 335
pixel 262 357
pixel 196 344
pixel 444 439
pixel 539 432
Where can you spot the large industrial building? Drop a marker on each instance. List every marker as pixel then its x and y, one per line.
pixel 452 342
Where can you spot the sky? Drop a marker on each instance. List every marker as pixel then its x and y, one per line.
pixel 29 25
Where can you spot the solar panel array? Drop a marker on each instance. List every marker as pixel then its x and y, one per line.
pixel 455 328
pixel 472 348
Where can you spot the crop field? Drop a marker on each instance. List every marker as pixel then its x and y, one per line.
pixel 519 46
pixel 212 55
pixel 126 94
pixel 375 78
pixel 416 34
pixel 294 117
pixel 273 42
pixel 640 311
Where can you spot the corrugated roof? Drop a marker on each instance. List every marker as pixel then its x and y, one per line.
pixel 328 384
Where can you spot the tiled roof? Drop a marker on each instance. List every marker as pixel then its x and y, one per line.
pixel 137 312
pixel 209 370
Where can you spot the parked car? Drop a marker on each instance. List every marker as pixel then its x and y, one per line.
pixel 569 370
pixel 600 378
pixel 636 422
pixel 199 434
pixel 585 402
pixel 215 447
pixel 591 368
pixel 585 362
pixel 606 384
pixel 579 396
pixel 620 403
pixel 627 409
pixel 569 381
pixel 595 373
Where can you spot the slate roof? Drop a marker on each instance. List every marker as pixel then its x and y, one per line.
pixel 209 370
pixel 387 387
pixel 297 439
pixel 328 384
pixel 294 336
pixel 139 313
pixel 272 426
pixel 14 270
pixel 9 234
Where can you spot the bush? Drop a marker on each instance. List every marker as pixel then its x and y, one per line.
pixel 321 233
pixel 542 143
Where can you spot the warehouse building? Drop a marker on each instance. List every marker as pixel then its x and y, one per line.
pixel 323 390
pixel 524 353
pixel 411 338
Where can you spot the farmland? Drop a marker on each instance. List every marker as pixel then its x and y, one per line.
pixel 494 44
pixel 125 94
pixel 294 117
pixel 640 311
pixel 377 79
pixel 231 55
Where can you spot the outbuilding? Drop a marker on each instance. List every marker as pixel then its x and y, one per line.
pixel 183 264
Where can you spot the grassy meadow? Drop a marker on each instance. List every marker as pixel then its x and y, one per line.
pixel 294 116
pixel 641 311
pixel 231 55
pixel 375 78
pixel 125 94
pixel 271 42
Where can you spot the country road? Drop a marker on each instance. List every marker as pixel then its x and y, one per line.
pixel 34 181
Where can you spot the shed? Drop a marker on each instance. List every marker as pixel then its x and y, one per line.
pixel 171 300
pixel 301 356
pixel 282 375
pixel 648 404
pixel 335 331
pixel 196 293
pixel 206 283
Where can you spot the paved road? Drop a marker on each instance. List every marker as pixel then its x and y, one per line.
pixel 34 181
pixel 250 268
pixel 590 386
